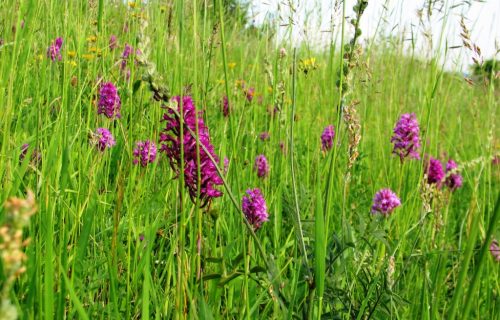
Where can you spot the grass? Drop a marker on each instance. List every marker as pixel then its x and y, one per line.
pixel 321 254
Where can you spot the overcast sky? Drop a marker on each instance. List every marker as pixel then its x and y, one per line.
pixel 313 20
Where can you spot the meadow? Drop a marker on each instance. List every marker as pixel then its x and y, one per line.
pixel 169 161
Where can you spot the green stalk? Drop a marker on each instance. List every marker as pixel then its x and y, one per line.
pixel 319 248
pixel 181 279
pixel 100 15
pixel 457 296
pixel 482 258
pixel 298 223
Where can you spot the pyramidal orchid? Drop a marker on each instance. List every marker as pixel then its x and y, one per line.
pixel 170 140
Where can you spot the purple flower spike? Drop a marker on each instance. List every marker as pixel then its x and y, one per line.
pixel 496 160
pixel 226 165
pixel 454 180
pixel 104 139
pixel 144 153
pixel 254 207
pixel 262 166
pixel 406 137
pixel 54 50
pixel 435 173
pixel 264 136
pixel 225 106
pixel 249 93
pixel 24 151
pixel 126 53
pixel 36 156
pixel 384 202
pixel 109 101
pixel 495 250
pixel 327 138
pixel 170 140
pixel 113 44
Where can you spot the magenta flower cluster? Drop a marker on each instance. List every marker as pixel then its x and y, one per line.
pixel 24 151
pixel 437 175
pixel 264 136
pixel 435 172
pixel 145 152
pixel 495 250
pixel 225 106
pixel 327 138
pixel 54 50
pixel 384 202
pixel 406 138
pixel 36 156
pixel 226 165
pixel 261 166
pixel 170 140
pixel 109 101
pixel 104 139
pixel 453 180
pixel 113 43
pixel 254 207
pixel 249 93
pixel 126 53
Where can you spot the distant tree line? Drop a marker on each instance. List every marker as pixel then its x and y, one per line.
pixel 490 69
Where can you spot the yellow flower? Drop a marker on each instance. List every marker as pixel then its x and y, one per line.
pixel 92 39
pixel 39 57
pixel 88 56
pixel 132 4
pixel 231 65
pixel 270 89
pixel 98 51
pixel 139 15
pixel 307 65
pixel 71 54
pixel 311 61
pixel 221 81
pixel 239 83
pixel 72 63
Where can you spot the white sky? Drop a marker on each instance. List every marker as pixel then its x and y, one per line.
pixel 313 19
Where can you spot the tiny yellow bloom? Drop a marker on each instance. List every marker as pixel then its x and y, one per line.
pixel 132 4
pixel 231 65
pixel 307 65
pixel 71 54
pixel 72 63
pixel 39 57
pixel 221 81
pixel 88 56
pixel 270 89
pixel 93 49
pixel 92 39
pixel 239 83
